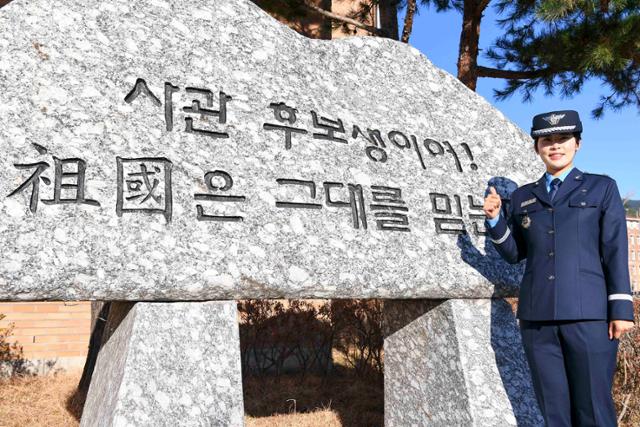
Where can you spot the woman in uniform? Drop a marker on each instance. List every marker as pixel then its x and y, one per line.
pixel 575 299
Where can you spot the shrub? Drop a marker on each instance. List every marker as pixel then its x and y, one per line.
pixel 12 362
pixel 276 337
pixel 359 335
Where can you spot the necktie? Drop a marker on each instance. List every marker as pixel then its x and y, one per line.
pixel 555 184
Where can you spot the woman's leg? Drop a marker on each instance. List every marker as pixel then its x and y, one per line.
pixel 543 349
pixel 591 362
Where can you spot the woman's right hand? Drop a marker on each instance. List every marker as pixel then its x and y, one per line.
pixel 492 204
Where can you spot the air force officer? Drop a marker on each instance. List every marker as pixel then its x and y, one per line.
pixel 575 299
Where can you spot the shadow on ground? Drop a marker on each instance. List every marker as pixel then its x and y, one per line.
pixel 357 401
pixel 75 403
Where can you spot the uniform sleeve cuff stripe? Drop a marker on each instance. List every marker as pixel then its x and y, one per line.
pixel 620 296
pixel 503 238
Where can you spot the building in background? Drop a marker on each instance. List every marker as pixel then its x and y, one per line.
pixel 326 24
pixel 52 335
pixel 633 233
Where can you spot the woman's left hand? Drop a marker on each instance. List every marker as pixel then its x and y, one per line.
pixel 619 327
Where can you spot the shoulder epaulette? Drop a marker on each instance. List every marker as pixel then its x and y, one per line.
pixel 597 174
pixel 531 184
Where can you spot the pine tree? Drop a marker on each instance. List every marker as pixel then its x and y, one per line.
pixel 554 45
pixel 557 45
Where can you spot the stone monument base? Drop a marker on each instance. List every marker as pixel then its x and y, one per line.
pixel 169 364
pixel 457 362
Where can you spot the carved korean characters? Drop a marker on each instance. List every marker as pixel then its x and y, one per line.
pixel 143 185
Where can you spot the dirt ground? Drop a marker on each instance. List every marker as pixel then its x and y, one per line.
pixel 51 401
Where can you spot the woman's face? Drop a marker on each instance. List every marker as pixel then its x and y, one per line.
pixel 557 151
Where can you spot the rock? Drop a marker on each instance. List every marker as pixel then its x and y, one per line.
pixel 459 363
pixel 167 364
pixel 170 121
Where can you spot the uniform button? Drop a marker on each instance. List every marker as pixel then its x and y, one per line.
pixel 550 231
pixel 583 203
pixel 552 277
pixel 550 209
pixel 551 253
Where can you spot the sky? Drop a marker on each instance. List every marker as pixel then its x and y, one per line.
pixel 611 145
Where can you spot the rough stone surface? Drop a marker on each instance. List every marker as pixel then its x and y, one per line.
pixel 169 364
pixel 459 364
pixel 65 70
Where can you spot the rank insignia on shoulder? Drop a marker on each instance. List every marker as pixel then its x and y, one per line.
pixel 527 202
pixel 526 221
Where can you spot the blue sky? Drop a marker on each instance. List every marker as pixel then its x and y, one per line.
pixel 611 145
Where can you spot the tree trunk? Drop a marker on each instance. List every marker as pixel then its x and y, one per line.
pixel 408 21
pixel 469 40
pixel 389 17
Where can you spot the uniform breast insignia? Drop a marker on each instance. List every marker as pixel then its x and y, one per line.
pixel 527 202
pixel 526 221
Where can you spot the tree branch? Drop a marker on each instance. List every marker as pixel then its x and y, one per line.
pixel 511 74
pixel 346 20
pixel 482 6
pixel 408 21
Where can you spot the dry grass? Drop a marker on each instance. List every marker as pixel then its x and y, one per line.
pixel 341 399
pixel 322 417
pixel 337 401
pixel 330 402
pixel 40 401
pixel 355 402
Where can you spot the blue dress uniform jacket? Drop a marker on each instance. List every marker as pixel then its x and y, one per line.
pixel 575 247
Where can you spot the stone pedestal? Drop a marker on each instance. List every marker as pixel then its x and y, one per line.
pixel 457 362
pixel 169 364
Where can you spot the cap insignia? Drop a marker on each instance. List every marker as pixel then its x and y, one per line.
pixel 553 119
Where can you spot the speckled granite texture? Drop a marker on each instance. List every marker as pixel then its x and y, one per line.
pixel 169 364
pixel 174 191
pixel 459 364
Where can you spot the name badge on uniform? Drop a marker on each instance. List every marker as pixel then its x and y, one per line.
pixel 527 202
pixel 526 221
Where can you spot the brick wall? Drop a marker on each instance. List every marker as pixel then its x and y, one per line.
pixel 633 231
pixel 50 331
